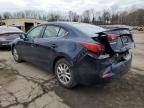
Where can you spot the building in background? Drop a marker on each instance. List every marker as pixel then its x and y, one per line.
pixel 23 23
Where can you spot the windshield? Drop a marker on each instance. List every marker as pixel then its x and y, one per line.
pixel 88 29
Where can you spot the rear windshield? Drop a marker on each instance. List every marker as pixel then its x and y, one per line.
pixel 88 29
pixel 10 34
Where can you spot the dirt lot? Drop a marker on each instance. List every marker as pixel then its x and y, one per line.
pixel 27 86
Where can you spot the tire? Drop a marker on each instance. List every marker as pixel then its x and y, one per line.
pixel 16 56
pixel 64 74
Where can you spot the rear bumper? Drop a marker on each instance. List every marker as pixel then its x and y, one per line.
pixel 91 71
pixel 5 46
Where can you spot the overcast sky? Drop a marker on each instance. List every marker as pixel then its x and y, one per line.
pixel 66 5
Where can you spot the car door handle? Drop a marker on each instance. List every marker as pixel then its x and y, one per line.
pixel 53 45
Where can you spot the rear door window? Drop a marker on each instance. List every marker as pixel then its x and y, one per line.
pixel 51 31
pixel 35 33
pixel 62 32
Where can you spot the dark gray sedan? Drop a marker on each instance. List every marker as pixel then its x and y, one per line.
pixel 77 53
pixel 8 34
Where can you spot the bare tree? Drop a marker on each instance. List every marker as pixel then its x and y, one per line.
pixel 0 17
pixel 53 16
pixel 106 16
pixel 7 15
pixel 110 16
pixel 73 16
pixel 86 16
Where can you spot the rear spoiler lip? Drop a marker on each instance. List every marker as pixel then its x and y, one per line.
pixel 103 32
pixel 119 29
pixel 116 29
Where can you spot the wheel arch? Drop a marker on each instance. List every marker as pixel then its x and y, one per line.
pixel 61 57
pixel 12 46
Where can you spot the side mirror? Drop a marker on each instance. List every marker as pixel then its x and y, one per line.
pixel 23 36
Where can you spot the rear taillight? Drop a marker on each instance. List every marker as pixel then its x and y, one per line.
pixel 93 47
pixel 111 36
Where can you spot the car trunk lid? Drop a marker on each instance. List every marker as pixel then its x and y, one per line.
pixel 116 41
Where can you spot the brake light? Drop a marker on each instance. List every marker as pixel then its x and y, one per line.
pixel 93 47
pixel 111 36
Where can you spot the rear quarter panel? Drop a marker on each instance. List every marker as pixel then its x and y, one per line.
pixel 68 48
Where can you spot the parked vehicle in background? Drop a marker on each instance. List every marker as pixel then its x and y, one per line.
pixel 77 53
pixel 141 28
pixel 8 34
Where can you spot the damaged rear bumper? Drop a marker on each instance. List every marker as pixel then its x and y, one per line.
pixel 91 70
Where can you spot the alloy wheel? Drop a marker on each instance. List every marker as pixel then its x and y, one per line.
pixel 64 73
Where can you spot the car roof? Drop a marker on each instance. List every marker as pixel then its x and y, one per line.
pixel 66 24
pixel 9 29
pixel 61 22
pixel 70 24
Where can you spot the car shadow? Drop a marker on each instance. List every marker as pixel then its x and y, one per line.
pixel 81 96
pixel 5 49
pixel 122 93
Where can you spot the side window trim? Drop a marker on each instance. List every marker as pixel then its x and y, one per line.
pixel 43 30
pixel 64 30
pixel 41 33
pixel 50 36
pixel 57 33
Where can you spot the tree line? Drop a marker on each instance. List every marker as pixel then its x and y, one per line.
pixel 133 17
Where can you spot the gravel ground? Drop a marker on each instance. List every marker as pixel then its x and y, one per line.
pixel 27 86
